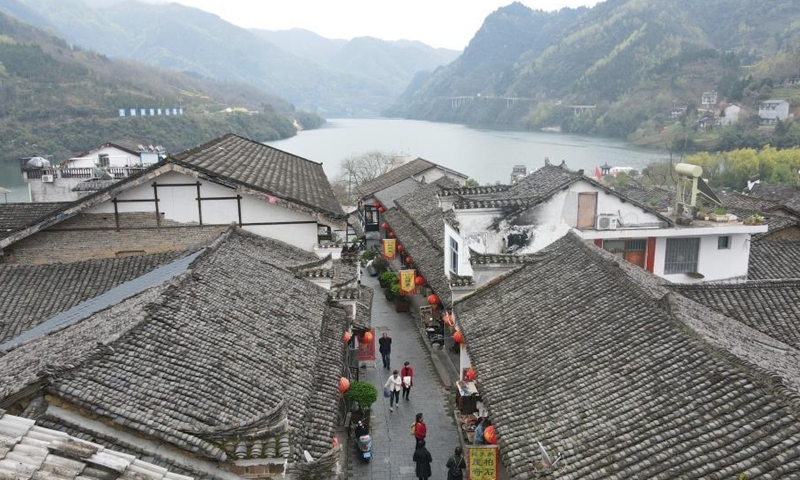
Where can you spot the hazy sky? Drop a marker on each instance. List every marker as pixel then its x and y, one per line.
pixel 439 23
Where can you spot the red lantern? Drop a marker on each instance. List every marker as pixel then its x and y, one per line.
pixel 470 375
pixel 384 226
pixel 335 442
pixel 367 337
pixel 347 337
pixel 433 299
pixel 376 203
pixel 344 385
pixel 391 234
pixel 490 435
pixel 409 261
pixel 399 248
pixel 419 281
pixel 458 337
pixel 381 209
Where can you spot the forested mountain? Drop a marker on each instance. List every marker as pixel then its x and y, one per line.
pixel 631 59
pixel 57 100
pixel 182 38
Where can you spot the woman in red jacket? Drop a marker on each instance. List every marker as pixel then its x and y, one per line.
pixel 407 374
pixel 420 430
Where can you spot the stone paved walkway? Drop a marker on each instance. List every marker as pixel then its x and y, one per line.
pixel 393 445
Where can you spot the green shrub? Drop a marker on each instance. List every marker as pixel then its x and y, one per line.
pixel 362 393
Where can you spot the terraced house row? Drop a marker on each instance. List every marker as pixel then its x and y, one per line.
pixel 187 321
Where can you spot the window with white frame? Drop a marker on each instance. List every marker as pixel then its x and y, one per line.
pixel 681 255
pixel 453 256
pixel 724 242
pixel 102 160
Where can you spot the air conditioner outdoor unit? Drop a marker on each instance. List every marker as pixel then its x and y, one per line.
pixel 607 221
pixel 47 178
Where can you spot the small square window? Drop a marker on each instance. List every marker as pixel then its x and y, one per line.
pixel 723 243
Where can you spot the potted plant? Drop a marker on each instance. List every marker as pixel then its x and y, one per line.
pixel 401 303
pixel 386 278
pixel 754 220
pixel 380 265
pixel 361 396
pixel 719 215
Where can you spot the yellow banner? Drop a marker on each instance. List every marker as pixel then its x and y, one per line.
pixel 389 248
pixel 482 462
pixel 407 284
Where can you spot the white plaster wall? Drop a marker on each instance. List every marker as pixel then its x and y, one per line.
pixel 464 268
pixel 116 158
pixel 731 115
pixel 713 263
pixel 59 190
pixel 781 112
pixel 435 173
pixel 179 204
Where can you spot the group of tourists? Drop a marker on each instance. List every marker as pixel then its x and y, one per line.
pixel 401 382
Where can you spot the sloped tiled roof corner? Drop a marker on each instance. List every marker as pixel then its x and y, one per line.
pixel 774 259
pixel 16 216
pixel 541 182
pixel 658 198
pixel 776 224
pixel 35 293
pixel 771 307
pixel 613 383
pixel 33 452
pixel 266 169
pixel 403 172
pixel 476 258
pixel 217 343
pixel 474 191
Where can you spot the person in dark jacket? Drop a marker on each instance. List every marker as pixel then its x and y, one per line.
pixel 456 465
pixel 422 457
pixel 385 348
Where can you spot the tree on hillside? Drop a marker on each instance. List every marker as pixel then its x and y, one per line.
pixel 359 169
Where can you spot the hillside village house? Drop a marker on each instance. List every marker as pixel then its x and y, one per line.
pixel 222 362
pixel 399 181
pixel 731 114
pixel 771 111
pixel 553 200
pixel 184 201
pixel 67 181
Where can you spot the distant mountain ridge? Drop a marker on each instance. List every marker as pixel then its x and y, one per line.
pixel 57 100
pixel 364 76
pixel 632 59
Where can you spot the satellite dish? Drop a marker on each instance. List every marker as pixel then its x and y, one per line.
pixel 38 162
pixel 101 174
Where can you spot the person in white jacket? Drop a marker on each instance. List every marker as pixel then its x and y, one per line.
pixel 394 384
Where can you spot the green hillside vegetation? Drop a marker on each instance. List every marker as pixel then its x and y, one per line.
pixel 734 168
pixel 332 77
pixel 57 100
pixel 631 60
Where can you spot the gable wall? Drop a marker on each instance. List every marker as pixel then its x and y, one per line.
pixel 116 158
pixel 179 204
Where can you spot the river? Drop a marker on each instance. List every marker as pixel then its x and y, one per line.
pixel 485 155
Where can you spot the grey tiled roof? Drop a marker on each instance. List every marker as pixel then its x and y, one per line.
pixel 776 224
pixel 265 169
pixel 774 259
pixel 422 205
pixel 601 374
pixel 513 203
pixel 476 258
pixel 32 452
pixel 32 294
pixel 771 307
pixel 542 182
pixel 15 216
pixel 655 197
pixel 744 205
pixel 388 195
pixel 474 191
pixel 788 195
pixel 397 175
pixel 235 343
pixel 92 185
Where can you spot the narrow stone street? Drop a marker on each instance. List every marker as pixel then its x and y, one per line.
pixel 393 444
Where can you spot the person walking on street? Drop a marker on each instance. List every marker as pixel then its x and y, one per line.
pixel 420 430
pixel 422 457
pixel 407 374
pixel 385 348
pixel 456 465
pixel 393 385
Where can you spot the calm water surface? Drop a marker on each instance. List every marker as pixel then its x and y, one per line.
pixel 486 155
